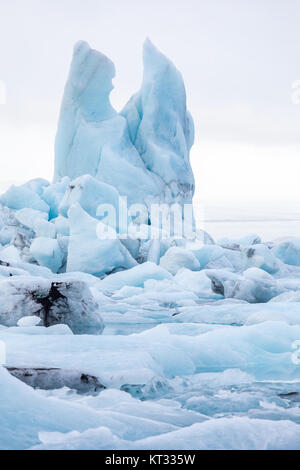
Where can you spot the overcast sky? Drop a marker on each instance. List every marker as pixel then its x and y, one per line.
pixel 238 58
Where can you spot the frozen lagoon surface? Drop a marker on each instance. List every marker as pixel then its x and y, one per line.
pixel 134 343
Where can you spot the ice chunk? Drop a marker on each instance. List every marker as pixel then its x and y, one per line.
pixel 154 252
pixel 177 258
pixel 37 185
pixel 135 277
pixel 197 282
pixel 6 235
pixel 127 291
pixel 44 229
pixel 54 330
pixel 62 225
pixel 20 197
pixel 10 254
pixel 7 271
pixel 89 253
pixel 237 312
pixel 252 239
pixel 12 231
pixel 288 251
pixel 162 298
pixel 234 257
pixel 28 217
pixel 208 253
pixel 47 253
pixel 290 296
pixel 254 286
pixel 133 246
pixel 260 256
pixel 168 411
pixel 53 195
pixel 27 322
pixel 253 291
pixel 45 412
pixel 139 243
pixel 31 269
pixel 69 302
pixel 263 349
pixel 89 193
pixel 227 434
pixel 216 434
pixel 239 243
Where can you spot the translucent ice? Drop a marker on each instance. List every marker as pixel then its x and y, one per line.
pixel 47 253
pixel 29 217
pixel 134 277
pixel 89 193
pixel 53 195
pixel 148 143
pixel 177 258
pixel 19 197
pixel 90 254
pixel 288 251
pixel 262 257
pixel 160 126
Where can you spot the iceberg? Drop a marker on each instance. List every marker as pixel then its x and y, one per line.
pixel 143 152
pixel 160 126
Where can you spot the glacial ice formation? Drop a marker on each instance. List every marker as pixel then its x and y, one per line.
pixel 143 152
pixel 128 341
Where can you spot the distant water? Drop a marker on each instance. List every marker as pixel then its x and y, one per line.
pixel 271 221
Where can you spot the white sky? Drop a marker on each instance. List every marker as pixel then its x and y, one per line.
pixel 238 58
